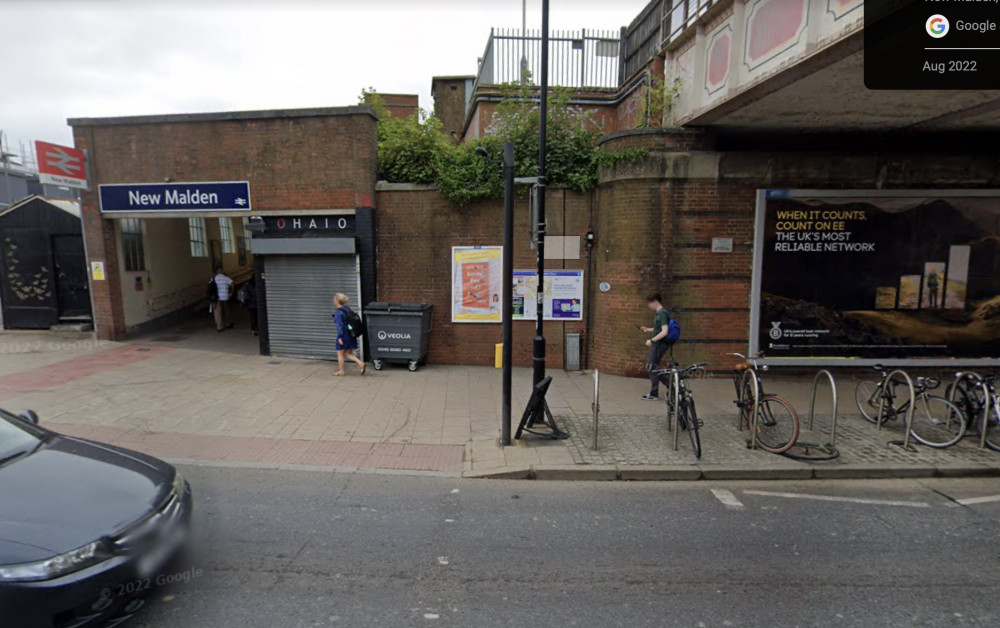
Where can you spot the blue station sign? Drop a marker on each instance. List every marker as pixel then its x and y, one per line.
pixel 175 197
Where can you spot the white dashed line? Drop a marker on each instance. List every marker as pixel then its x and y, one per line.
pixel 727 498
pixel 850 500
pixel 969 501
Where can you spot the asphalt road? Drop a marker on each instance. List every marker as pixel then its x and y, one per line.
pixel 288 549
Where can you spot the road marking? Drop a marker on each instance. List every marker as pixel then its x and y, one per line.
pixel 968 501
pixel 850 500
pixel 727 498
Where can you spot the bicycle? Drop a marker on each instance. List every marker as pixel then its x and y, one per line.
pixel 977 397
pixel 775 427
pixel 936 421
pixel 680 402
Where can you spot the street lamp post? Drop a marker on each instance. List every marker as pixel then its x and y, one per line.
pixel 508 287
pixel 538 358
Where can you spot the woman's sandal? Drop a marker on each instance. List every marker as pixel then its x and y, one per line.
pixel 364 367
pixel 338 374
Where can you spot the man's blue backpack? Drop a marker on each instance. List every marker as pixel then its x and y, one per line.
pixel 673 330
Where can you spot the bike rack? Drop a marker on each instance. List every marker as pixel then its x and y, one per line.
pixel 675 391
pixel 596 406
pixel 910 410
pixel 978 379
pixel 812 405
pixel 752 374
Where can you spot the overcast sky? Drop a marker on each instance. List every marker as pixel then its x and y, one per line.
pixel 91 58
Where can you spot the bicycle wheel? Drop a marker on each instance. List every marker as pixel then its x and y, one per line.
pixel 691 424
pixel 993 428
pixel 777 425
pixel 868 396
pixel 937 422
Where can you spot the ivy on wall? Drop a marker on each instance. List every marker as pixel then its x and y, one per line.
pixel 414 150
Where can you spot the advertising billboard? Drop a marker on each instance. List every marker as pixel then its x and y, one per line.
pixel 877 275
pixel 562 301
pixel 476 284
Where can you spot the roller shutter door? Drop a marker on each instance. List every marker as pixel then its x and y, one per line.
pixel 300 291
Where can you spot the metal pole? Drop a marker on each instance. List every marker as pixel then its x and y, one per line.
pixel 538 359
pixel 812 404
pixel 597 403
pixel 508 288
pixel 5 158
pixel 524 39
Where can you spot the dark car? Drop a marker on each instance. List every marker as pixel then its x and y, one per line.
pixel 85 528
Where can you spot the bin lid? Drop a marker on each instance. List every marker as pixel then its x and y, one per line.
pixel 385 306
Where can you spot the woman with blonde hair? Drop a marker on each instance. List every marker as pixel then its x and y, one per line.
pixel 346 344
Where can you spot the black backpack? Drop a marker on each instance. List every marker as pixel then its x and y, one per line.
pixel 355 326
pixel 212 291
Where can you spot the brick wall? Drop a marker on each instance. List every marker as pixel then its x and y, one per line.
pixel 293 161
pixel 449 103
pixel 416 228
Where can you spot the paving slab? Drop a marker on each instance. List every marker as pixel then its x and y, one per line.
pixel 218 404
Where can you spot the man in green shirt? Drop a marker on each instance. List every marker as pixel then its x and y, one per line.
pixel 658 344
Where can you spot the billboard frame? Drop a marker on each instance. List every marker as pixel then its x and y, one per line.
pixel 756 280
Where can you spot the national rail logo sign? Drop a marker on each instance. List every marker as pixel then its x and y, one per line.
pixel 61 165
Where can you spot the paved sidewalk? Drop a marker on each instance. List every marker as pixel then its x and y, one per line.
pixel 230 408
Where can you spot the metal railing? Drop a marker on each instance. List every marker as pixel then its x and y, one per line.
pixel 750 375
pixel 812 404
pixel 580 59
pixel 886 390
pixel 680 15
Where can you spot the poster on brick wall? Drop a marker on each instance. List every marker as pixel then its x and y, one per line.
pixel 476 284
pixel 562 299
pixel 877 275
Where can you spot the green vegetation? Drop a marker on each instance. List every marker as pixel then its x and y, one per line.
pixel 414 150
pixel 659 100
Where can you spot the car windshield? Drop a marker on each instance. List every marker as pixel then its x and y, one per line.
pixel 16 436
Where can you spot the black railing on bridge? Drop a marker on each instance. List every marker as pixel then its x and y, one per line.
pixel 580 59
pixel 680 15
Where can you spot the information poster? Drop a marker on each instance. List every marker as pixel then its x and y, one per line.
pixel 563 298
pixel 476 273
pixel 878 275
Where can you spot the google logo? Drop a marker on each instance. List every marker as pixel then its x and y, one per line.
pixel 937 26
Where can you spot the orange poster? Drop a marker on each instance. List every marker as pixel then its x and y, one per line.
pixel 476 285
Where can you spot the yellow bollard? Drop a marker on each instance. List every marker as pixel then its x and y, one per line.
pixel 498 356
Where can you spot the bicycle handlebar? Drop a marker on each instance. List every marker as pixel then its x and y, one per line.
pixel 682 371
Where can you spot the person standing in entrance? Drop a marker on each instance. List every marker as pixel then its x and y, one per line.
pixel 346 344
pixel 658 344
pixel 224 286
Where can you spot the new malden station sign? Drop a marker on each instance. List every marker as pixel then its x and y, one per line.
pixel 175 197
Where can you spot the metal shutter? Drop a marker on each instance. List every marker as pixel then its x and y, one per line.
pixel 300 291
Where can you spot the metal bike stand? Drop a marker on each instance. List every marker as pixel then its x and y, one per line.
pixel 812 405
pixel 597 403
pixel 752 374
pixel 675 392
pixel 977 379
pixel 909 412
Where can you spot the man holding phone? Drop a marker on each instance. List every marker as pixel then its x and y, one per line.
pixel 658 344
